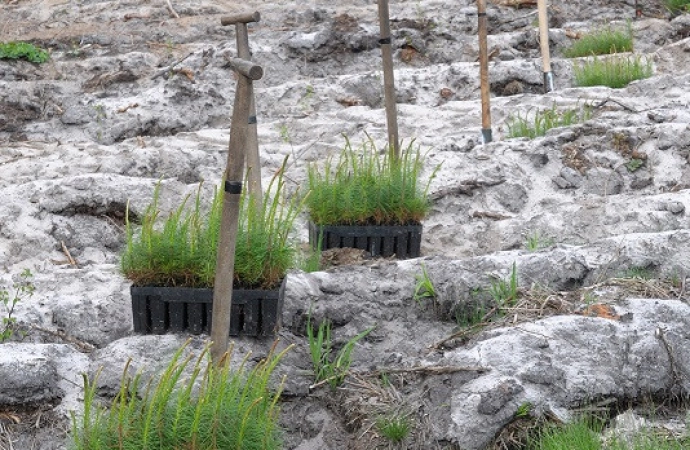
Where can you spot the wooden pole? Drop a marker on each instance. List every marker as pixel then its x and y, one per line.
pixel 243 52
pixel 484 72
pixel 225 261
pixel 544 42
pixel 388 79
pixel 253 160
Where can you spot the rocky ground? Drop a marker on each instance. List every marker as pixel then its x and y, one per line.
pixel 133 95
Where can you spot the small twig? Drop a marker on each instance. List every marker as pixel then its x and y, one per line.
pixel 326 380
pixel 130 16
pixel 71 260
pixel 126 107
pixel 489 215
pixel 82 345
pixel 622 105
pixel 661 335
pixel 459 334
pixel 172 10
pixel 171 66
pixel 433 370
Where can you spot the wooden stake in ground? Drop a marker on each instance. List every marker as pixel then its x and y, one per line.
pixel 544 42
pixel 484 72
pixel 388 78
pixel 234 174
pixel 253 161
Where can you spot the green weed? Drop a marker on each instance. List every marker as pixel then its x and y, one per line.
pixel 505 292
pixel 23 50
pixel 542 121
pixel 582 434
pixel 524 410
pixel 614 72
pixel 424 287
pixel 641 273
pixel 192 405
pixel 677 7
pixel 477 315
pixel 22 289
pixel 285 133
pixel 395 427
pixel 366 188
pixel 181 251
pixel 309 259
pixel 535 241
pixel 634 164
pixel 602 42
pixel 327 367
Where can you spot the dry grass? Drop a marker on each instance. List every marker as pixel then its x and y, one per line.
pixel 597 300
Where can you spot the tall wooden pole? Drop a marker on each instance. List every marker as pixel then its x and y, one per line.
pixel 388 78
pixel 253 161
pixel 544 41
pixel 484 72
pixel 234 174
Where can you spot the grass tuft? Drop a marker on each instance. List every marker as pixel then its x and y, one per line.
pixel 424 287
pixel 194 405
pixel 368 188
pixel 22 289
pixel 505 292
pixel 180 250
pixel 395 427
pixel 614 72
pixel 23 50
pixel 582 434
pixel 602 42
pixel 677 7
pixel 327 368
pixel 542 121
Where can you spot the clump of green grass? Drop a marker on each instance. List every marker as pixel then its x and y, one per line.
pixel 602 42
pixel 215 408
pixel 23 50
pixel 676 7
pixel 585 434
pixel 368 188
pixel 536 241
pixel 395 427
pixel 424 288
pixel 505 291
pixel 614 72
pixel 582 434
pixel 22 289
pixel 180 250
pixel 640 273
pixel 542 121
pixel 328 367
pixel 471 315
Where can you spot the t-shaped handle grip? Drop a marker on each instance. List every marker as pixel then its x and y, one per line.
pixel 247 68
pixel 240 18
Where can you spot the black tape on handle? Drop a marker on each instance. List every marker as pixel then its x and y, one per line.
pixel 233 187
pixel 252 120
pixel 384 41
pixel 482 14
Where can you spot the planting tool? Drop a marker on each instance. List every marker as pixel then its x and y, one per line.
pixel 234 173
pixel 253 162
pixel 544 43
pixel 388 78
pixel 484 72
